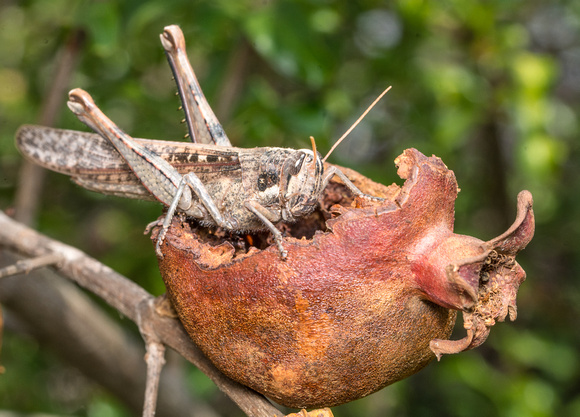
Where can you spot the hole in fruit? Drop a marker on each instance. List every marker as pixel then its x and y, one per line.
pixel 305 228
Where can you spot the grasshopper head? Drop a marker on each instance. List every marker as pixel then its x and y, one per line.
pixel 301 183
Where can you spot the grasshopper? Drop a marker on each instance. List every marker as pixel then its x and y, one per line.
pixel 237 189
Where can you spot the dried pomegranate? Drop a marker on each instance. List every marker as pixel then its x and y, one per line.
pixel 367 296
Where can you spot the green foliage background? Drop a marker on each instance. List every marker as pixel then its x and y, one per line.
pixel 493 88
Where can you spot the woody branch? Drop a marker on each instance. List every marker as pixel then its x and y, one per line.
pixel 131 301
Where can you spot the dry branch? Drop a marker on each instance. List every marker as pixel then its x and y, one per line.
pixel 131 301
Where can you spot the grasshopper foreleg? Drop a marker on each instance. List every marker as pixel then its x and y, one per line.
pixel 168 217
pixel 332 171
pixel 261 212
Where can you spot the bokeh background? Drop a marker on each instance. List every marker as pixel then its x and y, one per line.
pixel 493 88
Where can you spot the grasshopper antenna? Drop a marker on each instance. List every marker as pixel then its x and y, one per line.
pixel 356 123
pixel 313 149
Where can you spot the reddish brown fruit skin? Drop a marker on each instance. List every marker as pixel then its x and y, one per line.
pixel 350 311
pixel 301 341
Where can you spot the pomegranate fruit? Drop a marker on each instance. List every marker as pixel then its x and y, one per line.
pixel 368 294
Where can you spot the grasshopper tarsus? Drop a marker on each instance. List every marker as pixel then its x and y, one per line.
pixel 151 225
pixel 158 251
pixel 370 197
pixel 278 239
pixel 283 252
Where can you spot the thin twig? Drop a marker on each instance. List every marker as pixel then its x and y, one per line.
pixel 27 265
pixel 66 321
pixel 155 357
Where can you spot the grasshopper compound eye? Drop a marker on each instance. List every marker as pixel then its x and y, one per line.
pixel 298 164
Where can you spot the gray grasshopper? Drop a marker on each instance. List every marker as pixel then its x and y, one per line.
pixel 237 189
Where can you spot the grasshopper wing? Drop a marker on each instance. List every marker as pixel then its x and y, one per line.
pixel 95 164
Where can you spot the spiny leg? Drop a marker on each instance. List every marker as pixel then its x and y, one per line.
pixel 348 183
pixel 202 123
pixel 156 174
